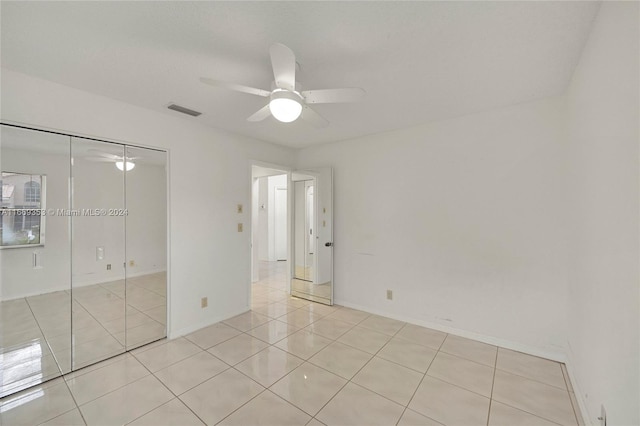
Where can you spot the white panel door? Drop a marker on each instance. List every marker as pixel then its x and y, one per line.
pixel 280 223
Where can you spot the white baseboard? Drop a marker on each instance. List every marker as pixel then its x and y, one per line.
pixel 100 279
pixel 582 406
pixel 35 293
pixel 84 283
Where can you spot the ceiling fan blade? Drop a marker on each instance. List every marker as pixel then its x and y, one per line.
pixel 283 61
pixel 112 157
pixel 235 87
pixel 102 153
pixel 313 117
pixel 333 96
pixel 261 114
pixel 101 159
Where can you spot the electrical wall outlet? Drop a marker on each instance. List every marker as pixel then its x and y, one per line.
pixel 204 302
pixel 390 294
pixel 132 263
pixel 108 266
pixel 239 227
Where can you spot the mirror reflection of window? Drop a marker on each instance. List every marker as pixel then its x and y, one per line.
pixel 22 200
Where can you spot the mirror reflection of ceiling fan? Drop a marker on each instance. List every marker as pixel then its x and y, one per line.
pixel 121 162
pixel 287 101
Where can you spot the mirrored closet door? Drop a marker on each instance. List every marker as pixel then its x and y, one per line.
pixel 35 259
pixel 98 251
pixel 146 246
pixel 83 253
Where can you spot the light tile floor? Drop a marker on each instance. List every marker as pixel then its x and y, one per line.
pixel 291 362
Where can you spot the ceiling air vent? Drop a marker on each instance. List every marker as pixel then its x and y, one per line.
pixel 184 110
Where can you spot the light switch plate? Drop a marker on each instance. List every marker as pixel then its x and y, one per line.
pixel 239 208
pixel 239 227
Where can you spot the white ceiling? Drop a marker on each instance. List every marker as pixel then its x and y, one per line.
pixel 418 61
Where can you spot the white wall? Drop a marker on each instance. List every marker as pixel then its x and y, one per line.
pixel 459 219
pixel 603 191
pixel 263 218
pixel 147 217
pixel 255 223
pixel 139 237
pixel 519 226
pixel 18 278
pixel 211 261
pixel 96 186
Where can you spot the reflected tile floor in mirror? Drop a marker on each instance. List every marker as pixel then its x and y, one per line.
pixel 306 288
pixel 303 272
pixel 292 362
pixel 35 332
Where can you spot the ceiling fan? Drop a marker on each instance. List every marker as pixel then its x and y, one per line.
pixel 121 162
pixel 287 101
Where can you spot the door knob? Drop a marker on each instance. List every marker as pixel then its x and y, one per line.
pixel 328 244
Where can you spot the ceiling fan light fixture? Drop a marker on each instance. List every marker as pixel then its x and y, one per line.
pixel 285 106
pixel 129 165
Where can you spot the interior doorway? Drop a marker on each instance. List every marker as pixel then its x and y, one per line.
pixel 269 231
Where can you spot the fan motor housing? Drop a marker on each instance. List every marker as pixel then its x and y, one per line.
pixel 287 94
pixel 274 87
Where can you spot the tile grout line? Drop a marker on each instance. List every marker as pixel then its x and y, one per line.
pixel 196 385
pixel 517 408
pixel 53 354
pixel 493 383
pixel 249 400
pixel 422 380
pixel 167 388
pixel 75 402
pixel 357 372
pixel 304 361
pixel 108 393
pixel 531 414
pixel 529 378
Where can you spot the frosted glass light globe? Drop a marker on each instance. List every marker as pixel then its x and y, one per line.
pixel 285 106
